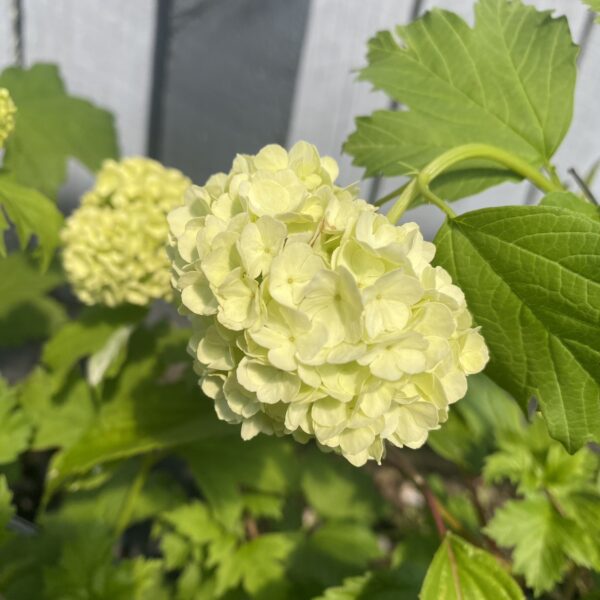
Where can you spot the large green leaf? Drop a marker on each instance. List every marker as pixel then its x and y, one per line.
pixel 460 571
pixel 26 312
pixel 531 275
pixel 509 82
pixel 51 127
pixel 32 214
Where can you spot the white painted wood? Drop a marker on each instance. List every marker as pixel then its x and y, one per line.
pixel 105 52
pixel 581 148
pixel 6 38
pixel 104 49
pixel 328 96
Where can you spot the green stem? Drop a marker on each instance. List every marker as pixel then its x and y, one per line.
pixel 128 506
pixel 460 154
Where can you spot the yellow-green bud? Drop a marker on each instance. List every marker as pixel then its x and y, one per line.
pixel 7 115
pixel 312 314
pixel 114 243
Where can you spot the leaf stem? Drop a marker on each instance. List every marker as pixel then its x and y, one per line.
pixel 128 506
pixel 420 185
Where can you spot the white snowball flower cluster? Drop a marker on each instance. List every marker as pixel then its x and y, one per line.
pixel 312 314
pixel 114 243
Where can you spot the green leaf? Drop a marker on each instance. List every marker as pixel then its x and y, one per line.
pixel 6 508
pixel 259 566
pixel 533 461
pixel 531 276
pixel 103 504
pixel 87 335
pixel 193 521
pixel 15 429
pixel 460 571
pixel 336 490
pixel 49 406
pixel 572 202
pixel 538 535
pixel 51 127
pixel 32 214
pixel 470 432
pixel 141 411
pixel 86 569
pixel 334 551
pixel 508 82
pixel 269 466
pixel 26 312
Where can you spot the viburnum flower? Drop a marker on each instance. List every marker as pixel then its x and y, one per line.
pixel 114 243
pixel 7 115
pixel 312 314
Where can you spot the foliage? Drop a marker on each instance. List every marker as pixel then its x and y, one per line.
pixel 117 479
pixel 52 126
pixel 508 82
pixel 544 339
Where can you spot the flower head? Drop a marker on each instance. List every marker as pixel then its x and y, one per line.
pixel 114 243
pixel 312 314
pixel 7 115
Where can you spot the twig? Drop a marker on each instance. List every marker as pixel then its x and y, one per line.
pixel 583 186
pixel 252 531
pixel 435 507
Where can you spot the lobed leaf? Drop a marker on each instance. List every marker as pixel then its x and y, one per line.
pixel 508 82
pixel 460 571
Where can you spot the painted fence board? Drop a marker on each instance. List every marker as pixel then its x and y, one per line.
pixel 230 80
pixel 328 97
pixel 104 49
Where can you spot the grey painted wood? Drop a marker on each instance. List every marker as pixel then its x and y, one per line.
pixel 328 96
pixel 230 79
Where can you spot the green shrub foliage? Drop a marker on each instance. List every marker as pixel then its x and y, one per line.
pixel 121 479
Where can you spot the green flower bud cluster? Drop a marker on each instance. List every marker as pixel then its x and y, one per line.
pixel 312 314
pixel 7 115
pixel 114 243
